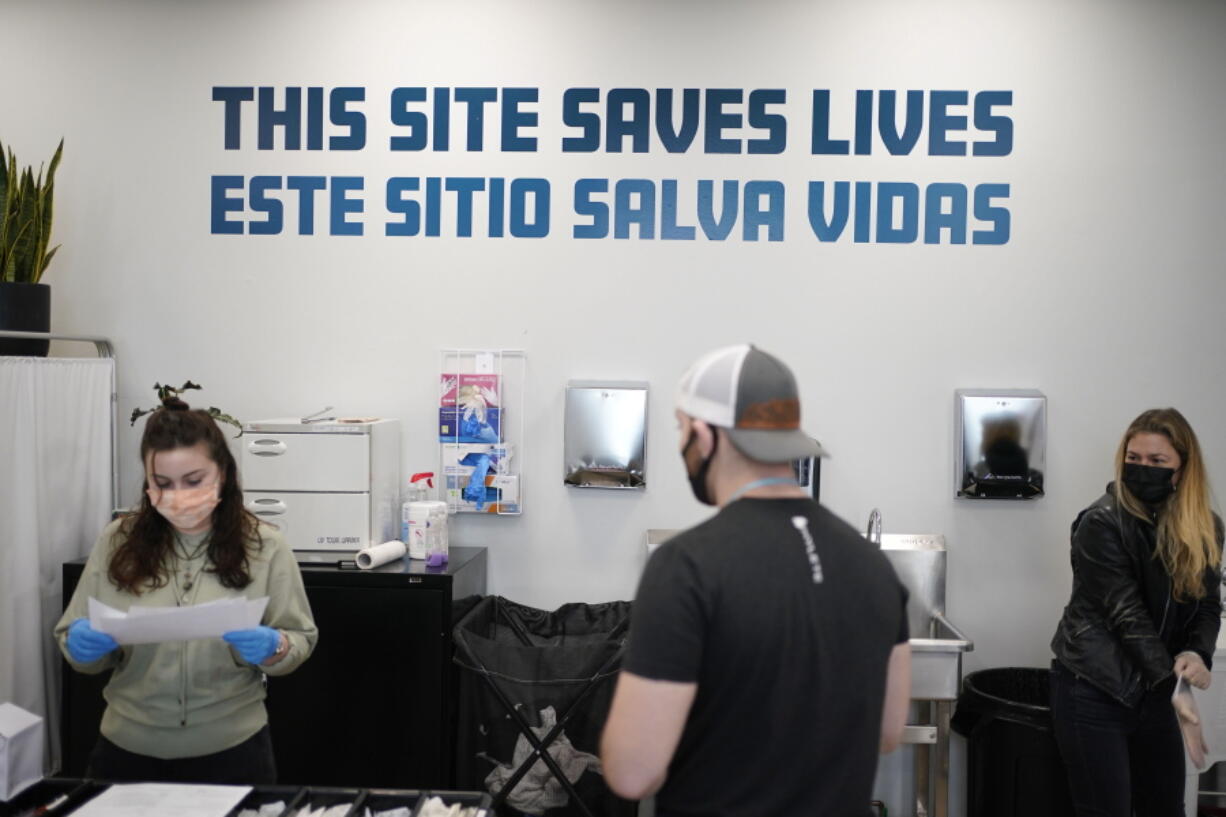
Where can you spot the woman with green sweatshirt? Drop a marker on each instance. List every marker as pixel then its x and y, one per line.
pixel 188 711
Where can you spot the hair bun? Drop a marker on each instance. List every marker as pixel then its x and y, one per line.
pixel 173 403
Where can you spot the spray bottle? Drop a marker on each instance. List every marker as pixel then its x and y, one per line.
pixel 419 491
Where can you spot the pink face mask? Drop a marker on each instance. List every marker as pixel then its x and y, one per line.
pixel 186 508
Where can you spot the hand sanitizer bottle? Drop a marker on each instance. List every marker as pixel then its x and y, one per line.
pixel 412 521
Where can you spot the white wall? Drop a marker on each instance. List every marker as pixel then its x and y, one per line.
pixel 1107 296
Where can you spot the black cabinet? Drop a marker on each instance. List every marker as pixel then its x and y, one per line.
pixel 374 704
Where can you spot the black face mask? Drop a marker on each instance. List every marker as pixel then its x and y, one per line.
pixel 1148 483
pixel 698 479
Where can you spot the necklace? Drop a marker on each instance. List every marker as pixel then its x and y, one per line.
pixel 758 483
pixel 192 565
pixel 189 577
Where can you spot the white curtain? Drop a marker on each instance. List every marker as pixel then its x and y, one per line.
pixel 55 497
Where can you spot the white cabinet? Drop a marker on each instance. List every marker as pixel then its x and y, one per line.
pixel 326 486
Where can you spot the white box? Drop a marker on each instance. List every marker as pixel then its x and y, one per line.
pixel 21 750
pixel 453 453
pixel 327 486
pixel 507 485
pixel 468 389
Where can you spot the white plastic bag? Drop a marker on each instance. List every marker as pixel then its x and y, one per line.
pixel 1190 724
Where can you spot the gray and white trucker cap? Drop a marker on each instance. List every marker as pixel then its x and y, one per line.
pixel 753 396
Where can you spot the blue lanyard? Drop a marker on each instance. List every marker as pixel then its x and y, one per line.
pixel 759 483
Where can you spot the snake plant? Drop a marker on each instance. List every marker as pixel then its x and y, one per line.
pixel 25 218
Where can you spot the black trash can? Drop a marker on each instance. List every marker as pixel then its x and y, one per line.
pixel 1013 764
pixel 529 676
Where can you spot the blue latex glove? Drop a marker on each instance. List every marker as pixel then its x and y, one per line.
pixel 474 430
pixel 86 645
pixel 474 491
pixel 255 645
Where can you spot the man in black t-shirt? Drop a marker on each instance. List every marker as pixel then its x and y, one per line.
pixel 768 662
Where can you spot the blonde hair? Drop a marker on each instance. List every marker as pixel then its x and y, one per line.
pixel 1187 535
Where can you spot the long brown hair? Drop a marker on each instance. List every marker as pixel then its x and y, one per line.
pixel 140 560
pixel 1187 534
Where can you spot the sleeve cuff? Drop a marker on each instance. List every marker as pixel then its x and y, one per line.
pixel 1207 660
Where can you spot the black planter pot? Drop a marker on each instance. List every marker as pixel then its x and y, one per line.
pixel 25 308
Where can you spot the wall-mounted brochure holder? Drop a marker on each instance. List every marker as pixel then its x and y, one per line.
pixel 605 435
pixel 481 430
pixel 1001 439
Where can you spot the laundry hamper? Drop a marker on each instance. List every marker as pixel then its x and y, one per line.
pixel 534 692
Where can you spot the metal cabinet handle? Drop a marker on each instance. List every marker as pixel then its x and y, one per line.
pixel 266 507
pixel 266 447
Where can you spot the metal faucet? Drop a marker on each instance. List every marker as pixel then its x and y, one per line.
pixel 874 527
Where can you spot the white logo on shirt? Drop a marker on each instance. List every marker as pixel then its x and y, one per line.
pixel 802 524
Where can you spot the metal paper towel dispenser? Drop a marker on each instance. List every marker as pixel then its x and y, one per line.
pixel 606 435
pixel 1001 441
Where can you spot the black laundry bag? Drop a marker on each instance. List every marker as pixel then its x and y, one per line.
pixel 548 667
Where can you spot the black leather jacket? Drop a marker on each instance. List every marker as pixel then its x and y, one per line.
pixel 1122 627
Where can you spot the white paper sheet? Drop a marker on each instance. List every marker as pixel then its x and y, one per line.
pixel 150 625
pixel 161 799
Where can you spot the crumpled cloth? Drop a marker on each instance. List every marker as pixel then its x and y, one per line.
pixel 538 790
pixel 402 811
pixel 435 807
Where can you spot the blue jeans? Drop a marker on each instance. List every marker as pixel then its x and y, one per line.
pixel 1120 760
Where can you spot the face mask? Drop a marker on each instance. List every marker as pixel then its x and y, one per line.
pixel 698 479
pixel 1148 483
pixel 186 508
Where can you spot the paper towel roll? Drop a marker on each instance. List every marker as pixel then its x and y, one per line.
pixel 379 554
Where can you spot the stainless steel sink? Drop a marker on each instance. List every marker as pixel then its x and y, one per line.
pixel 936 660
pixel 936 644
